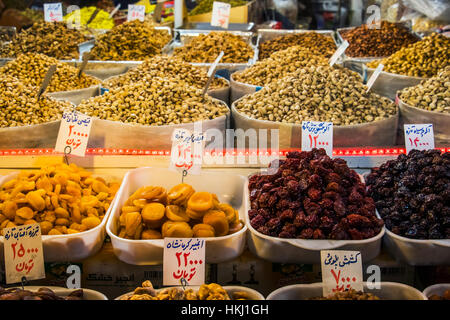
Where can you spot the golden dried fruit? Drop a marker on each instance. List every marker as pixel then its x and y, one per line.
pixel 153 214
pixel 202 230
pixel 218 220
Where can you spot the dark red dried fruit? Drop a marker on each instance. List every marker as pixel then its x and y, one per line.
pixel 312 196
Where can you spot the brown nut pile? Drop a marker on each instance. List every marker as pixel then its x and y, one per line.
pixel 432 94
pixel 154 213
pixel 316 43
pixel 422 59
pixel 166 67
pixel 53 39
pixel 379 41
pixel 211 291
pixel 19 105
pixel 205 48
pixel 351 294
pixel 134 40
pixel 30 68
pixel 63 199
pixel 40 294
pixel 321 93
pixel 155 102
pixel 278 66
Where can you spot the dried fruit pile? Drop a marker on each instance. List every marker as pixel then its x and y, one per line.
pixel 40 294
pixel 211 291
pixel 445 296
pixel 312 196
pixel 375 41
pixel 412 194
pixel 53 39
pixel 348 295
pixel 154 213
pixel 316 43
pixel 62 199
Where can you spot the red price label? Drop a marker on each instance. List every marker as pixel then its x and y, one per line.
pixel 419 136
pixel 74 133
pixel 187 151
pixel 316 135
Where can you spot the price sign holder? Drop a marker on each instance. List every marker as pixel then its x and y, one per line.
pixel 374 76
pixel 184 261
pixel 317 135
pixel 187 151
pixel 220 14
pixel 24 258
pixel 419 136
pixel 53 12
pixel 341 270
pixel 339 52
pixel 136 12
pixel 73 135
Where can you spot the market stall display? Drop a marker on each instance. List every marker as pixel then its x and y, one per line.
pixel 30 68
pixel 49 293
pixel 53 39
pixel 134 40
pixel 212 291
pixel 205 6
pixel 101 21
pixel 412 196
pixel 317 43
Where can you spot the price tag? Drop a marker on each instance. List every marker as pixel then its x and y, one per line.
pixel 220 14
pixel 23 253
pixel 419 136
pixel 339 52
pixel 187 151
pixel 374 76
pixel 317 135
pixel 341 270
pixel 136 12
pixel 74 133
pixel 53 12
pixel 184 261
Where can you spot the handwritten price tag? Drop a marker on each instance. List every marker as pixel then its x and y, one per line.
pixel 220 14
pixel 23 253
pixel 184 260
pixel 187 151
pixel 374 76
pixel 53 12
pixel 74 133
pixel 136 12
pixel 317 135
pixel 341 270
pixel 339 52
pixel 419 136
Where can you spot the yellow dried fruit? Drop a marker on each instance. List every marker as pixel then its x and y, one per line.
pixel 35 199
pixel 150 234
pixel 202 230
pixel 132 221
pixel 91 222
pixel 46 226
pixel 218 220
pixel 25 213
pixel 54 232
pixel 200 201
pixel 153 214
pixel 176 213
pixel 177 230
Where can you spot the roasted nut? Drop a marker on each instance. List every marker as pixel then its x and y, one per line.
pixel 205 48
pixel 422 59
pixel 133 40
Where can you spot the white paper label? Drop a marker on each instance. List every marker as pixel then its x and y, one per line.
pixel 339 52
pixel 187 151
pixel 341 270
pixel 74 133
pixel 419 136
pixel 220 14
pixel 374 76
pixel 23 253
pixel 53 12
pixel 317 135
pixel 136 12
pixel 184 261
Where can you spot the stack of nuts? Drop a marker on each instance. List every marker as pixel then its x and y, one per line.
pixel 205 48
pixel 134 40
pixel 279 65
pixel 53 39
pixel 154 213
pixel 63 199
pixel 422 59
pixel 156 102
pixel 30 68
pixel 212 291
pixel 432 94
pixel 19 105
pixel 316 43
pixel 317 93
pixel 166 67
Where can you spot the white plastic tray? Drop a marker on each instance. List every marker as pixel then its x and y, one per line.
pixel 253 294
pixel 284 250
pixel 229 189
pixel 388 291
pixel 68 247
pixel 61 291
pixel 438 289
